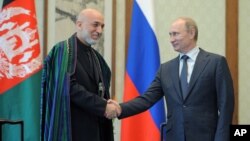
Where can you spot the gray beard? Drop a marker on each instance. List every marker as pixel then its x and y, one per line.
pixel 91 41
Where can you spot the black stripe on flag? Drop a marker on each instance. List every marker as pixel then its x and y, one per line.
pixel 6 2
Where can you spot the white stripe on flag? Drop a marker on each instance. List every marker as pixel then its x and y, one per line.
pixel 147 7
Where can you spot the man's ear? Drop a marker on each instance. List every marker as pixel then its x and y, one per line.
pixel 192 33
pixel 78 24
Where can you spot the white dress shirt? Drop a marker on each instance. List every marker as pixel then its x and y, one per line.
pixel 192 54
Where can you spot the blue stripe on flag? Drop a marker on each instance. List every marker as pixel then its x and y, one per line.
pixel 143 58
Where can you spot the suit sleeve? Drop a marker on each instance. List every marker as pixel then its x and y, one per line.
pixel 143 102
pixel 225 100
pixel 86 100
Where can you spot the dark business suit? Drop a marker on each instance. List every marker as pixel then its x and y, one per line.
pixel 196 117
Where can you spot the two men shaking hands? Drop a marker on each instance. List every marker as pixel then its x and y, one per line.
pixel 113 109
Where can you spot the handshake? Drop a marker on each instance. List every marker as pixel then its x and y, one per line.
pixel 113 109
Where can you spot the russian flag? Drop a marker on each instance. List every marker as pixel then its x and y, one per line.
pixel 143 61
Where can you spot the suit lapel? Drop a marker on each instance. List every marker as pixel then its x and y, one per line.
pixel 200 63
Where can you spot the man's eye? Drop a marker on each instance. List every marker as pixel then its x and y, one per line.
pixel 98 24
pixel 95 25
pixel 174 34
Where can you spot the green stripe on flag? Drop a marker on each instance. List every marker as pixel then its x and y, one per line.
pixel 22 103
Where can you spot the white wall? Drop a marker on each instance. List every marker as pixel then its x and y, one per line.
pixel 209 16
pixel 244 67
pixel 39 4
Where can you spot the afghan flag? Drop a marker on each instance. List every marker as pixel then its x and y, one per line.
pixel 143 61
pixel 20 69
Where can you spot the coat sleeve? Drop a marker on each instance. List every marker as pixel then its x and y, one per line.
pixel 86 100
pixel 143 102
pixel 225 100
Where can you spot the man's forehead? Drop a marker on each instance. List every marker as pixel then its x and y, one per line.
pixel 176 26
pixel 96 21
pixel 179 23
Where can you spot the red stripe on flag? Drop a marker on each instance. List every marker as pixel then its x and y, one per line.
pixel 20 55
pixel 140 127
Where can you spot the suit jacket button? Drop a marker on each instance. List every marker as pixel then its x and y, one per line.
pixel 184 106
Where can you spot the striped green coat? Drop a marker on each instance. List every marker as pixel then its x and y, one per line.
pixel 59 65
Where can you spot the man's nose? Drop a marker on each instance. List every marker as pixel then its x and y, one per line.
pixel 172 39
pixel 99 29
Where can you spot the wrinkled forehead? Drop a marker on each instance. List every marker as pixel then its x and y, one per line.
pixel 178 25
pixel 96 19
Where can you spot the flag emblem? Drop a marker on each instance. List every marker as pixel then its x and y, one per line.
pixel 20 55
